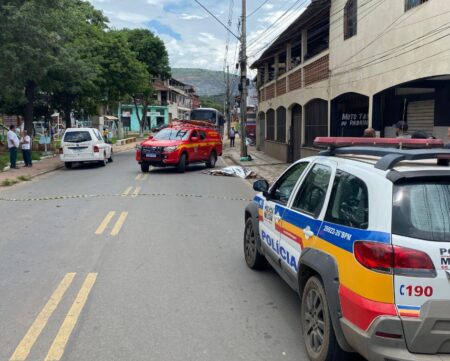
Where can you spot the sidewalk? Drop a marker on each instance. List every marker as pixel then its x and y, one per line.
pixel 44 166
pixel 263 165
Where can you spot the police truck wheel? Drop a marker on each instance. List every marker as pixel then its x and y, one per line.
pixel 318 332
pixel 181 167
pixel 253 258
pixel 145 167
pixel 211 163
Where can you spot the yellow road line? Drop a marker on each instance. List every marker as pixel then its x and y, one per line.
pixel 127 191
pixel 23 349
pixel 59 343
pixel 145 177
pixel 119 224
pixel 138 176
pixel 105 223
pixel 136 192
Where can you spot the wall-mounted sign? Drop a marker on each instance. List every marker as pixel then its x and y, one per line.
pixel 126 114
pixel 354 120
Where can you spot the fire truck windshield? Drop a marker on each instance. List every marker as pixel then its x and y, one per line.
pixel 172 134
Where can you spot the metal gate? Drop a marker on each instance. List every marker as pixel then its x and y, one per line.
pixel 262 132
pixel 421 116
pixel 296 132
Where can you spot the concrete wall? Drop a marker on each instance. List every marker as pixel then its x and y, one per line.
pixel 277 150
pixel 388 49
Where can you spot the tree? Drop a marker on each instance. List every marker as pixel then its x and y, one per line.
pixel 123 75
pixel 151 51
pixel 77 73
pixel 30 43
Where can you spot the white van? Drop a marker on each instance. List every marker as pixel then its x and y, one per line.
pixel 84 145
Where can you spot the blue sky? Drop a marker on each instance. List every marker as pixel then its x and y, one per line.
pixel 192 37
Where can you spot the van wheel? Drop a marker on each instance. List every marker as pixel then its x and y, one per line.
pixel 181 167
pixel 318 332
pixel 145 167
pixel 253 258
pixel 68 165
pixel 211 163
pixel 111 159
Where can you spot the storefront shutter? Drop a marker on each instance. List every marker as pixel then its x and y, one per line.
pixel 421 116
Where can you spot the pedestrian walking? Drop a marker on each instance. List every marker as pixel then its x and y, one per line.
pixel 13 144
pixel 26 149
pixel 232 136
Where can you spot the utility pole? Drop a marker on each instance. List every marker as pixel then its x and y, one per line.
pixel 243 61
pixel 227 101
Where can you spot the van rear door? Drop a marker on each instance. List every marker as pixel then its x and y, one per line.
pixel 77 143
pixel 421 240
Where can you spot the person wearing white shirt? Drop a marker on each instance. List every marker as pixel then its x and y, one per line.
pixel 13 144
pixel 26 149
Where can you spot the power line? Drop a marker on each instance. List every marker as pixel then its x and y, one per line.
pixel 259 7
pixel 215 17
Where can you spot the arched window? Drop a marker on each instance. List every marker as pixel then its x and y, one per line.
pixel 281 125
pixel 350 18
pixel 409 4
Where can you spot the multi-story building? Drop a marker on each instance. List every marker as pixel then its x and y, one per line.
pixel 345 65
pixel 172 100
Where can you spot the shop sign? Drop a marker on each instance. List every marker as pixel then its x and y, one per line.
pixel 354 120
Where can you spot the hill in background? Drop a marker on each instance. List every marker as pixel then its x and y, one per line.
pixel 206 82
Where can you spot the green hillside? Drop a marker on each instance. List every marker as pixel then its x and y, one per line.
pixel 206 82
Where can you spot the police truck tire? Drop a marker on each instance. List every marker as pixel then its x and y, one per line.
pixel 253 258
pixel 181 167
pixel 211 163
pixel 318 333
pixel 68 165
pixel 145 167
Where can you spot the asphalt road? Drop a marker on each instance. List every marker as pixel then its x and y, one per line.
pixel 107 264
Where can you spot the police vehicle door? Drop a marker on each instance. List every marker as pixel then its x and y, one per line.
pixel 274 207
pixel 302 220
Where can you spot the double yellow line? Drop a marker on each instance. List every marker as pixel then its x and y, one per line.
pixel 117 226
pixel 142 177
pixel 58 346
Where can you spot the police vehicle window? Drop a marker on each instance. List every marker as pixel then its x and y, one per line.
pixel 311 196
pixel 77 136
pixel 202 134
pixel 349 202
pixel 284 187
pixel 422 210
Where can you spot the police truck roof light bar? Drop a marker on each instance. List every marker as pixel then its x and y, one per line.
pixel 389 156
pixel 337 142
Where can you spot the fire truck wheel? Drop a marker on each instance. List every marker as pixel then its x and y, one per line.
pixel 181 167
pixel 145 167
pixel 211 163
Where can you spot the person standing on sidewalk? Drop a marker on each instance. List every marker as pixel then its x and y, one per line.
pixel 26 149
pixel 13 144
pixel 232 136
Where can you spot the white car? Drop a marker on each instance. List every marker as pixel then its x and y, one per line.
pixel 84 145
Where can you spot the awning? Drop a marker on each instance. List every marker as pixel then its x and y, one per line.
pixel 110 117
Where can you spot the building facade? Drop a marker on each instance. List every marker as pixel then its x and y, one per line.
pixel 345 65
pixel 172 100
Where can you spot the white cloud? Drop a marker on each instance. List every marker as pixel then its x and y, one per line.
pixel 203 40
pixel 191 17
